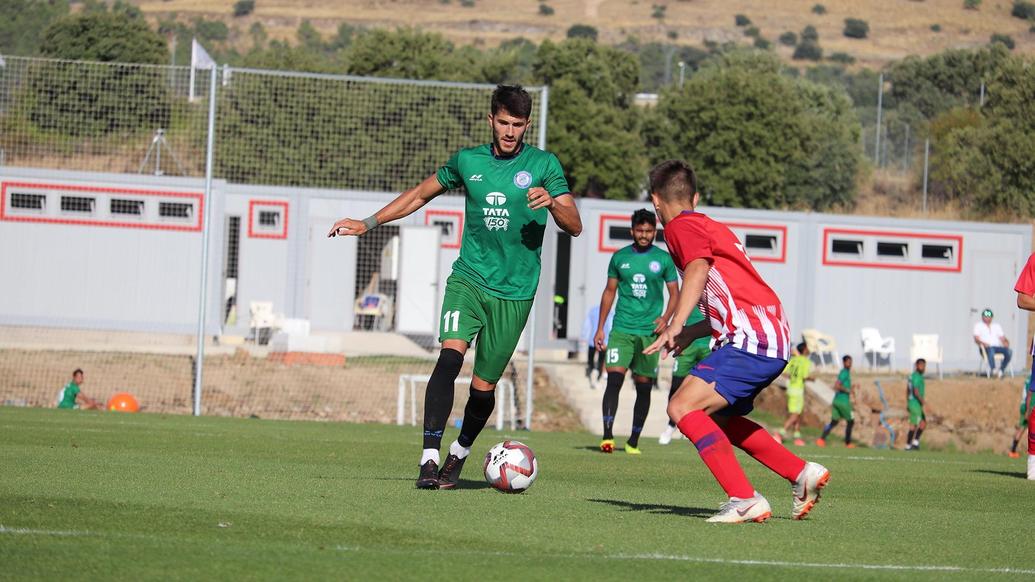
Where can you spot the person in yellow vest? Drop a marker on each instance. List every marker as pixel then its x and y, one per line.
pixel 800 371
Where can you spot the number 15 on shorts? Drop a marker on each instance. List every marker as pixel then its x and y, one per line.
pixel 450 321
pixel 612 356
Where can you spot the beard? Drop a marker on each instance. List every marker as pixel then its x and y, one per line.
pixel 498 146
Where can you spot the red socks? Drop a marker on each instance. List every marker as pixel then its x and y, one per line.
pixel 716 452
pixel 755 441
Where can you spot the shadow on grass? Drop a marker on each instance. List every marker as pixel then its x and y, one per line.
pixel 1016 474
pixel 658 509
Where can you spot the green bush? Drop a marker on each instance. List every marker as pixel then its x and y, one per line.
pixel 672 35
pixel 819 9
pixel 843 58
pixel 971 4
pixel 762 43
pixel 658 11
pixel 741 20
pixel 936 28
pixel 467 3
pixel 809 33
pixel 211 30
pixel 244 7
pixel 583 31
pixel 544 9
pixel 788 38
pixel 1023 9
pixel 856 28
pixel 808 50
pixel 752 31
pixel 1003 39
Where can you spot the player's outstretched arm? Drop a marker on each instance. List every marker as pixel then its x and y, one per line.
pixel 405 204
pixel 561 207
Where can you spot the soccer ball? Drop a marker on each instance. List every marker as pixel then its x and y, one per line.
pixel 511 467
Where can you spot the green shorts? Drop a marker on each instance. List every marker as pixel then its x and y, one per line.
pixel 690 357
pixel 841 410
pixel 795 399
pixel 916 412
pixel 625 350
pixel 469 312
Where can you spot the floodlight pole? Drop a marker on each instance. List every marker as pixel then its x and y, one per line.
pixel 206 209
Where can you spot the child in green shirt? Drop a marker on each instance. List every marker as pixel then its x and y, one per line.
pixel 841 408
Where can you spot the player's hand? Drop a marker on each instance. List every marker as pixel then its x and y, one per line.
pixel 665 341
pixel 539 198
pixel 347 227
pixel 598 340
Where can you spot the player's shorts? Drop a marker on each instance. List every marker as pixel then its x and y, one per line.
pixel 916 412
pixel 795 399
pixel 691 356
pixel 739 376
pixel 625 350
pixel 841 409
pixel 469 312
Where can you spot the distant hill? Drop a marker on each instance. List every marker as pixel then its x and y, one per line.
pixel 897 28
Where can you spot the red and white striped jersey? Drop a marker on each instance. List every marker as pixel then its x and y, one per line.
pixel 742 309
pixel 1026 284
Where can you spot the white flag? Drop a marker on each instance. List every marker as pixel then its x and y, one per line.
pixel 199 58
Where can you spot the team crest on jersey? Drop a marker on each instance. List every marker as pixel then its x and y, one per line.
pixel 496 218
pixel 522 179
pixel 655 267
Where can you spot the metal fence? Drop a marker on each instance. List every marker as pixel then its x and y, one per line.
pixel 179 128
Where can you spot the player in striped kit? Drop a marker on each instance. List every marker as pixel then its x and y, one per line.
pixel 746 319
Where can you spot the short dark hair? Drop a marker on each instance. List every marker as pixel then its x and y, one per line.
pixel 644 216
pixel 802 346
pixel 77 371
pixel 513 99
pixel 919 360
pixel 673 180
pixel 845 358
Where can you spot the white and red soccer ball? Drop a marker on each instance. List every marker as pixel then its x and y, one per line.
pixel 511 467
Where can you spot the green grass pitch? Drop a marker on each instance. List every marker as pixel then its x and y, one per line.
pixel 110 496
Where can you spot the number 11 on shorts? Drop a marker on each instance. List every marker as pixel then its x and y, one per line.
pixel 450 321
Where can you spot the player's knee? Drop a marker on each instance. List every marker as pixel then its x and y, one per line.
pixel 449 362
pixel 615 380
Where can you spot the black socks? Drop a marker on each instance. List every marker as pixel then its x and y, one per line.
pixel 438 397
pixel 640 410
pixel 610 404
pixel 479 407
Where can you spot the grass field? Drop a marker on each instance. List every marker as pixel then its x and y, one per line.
pixel 100 495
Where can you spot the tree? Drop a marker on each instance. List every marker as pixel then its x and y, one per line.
pixel 1003 39
pixel 593 126
pixel 807 50
pixel 244 8
pixel 104 37
pixel 945 80
pixel 757 138
pixel 582 31
pixel 24 22
pixel 404 53
pixel 788 38
pixel 856 28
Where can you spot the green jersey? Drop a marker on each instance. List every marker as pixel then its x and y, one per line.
pixel 844 378
pixel 916 383
pixel 798 369
pixel 68 394
pixel 503 238
pixel 641 276
pixel 695 316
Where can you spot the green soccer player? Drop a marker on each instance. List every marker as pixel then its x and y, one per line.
pixel 915 403
pixel 637 274
pixel 681 366
pixel 72 396
pixel 511 187
pixel 1022 422
pixel 841 408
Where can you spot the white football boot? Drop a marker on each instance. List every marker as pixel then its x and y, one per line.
pixel 737 510
pixel 805 489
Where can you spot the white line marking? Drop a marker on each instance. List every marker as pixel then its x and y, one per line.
pixel 41 532
pixel 703 560
pixel 898 460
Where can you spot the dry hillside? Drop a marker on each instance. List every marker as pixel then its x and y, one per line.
pixel 897 27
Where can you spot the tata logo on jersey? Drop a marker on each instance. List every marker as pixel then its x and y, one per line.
pixel 496 218
pixel 639 286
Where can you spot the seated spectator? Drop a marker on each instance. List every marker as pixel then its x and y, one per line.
pixel 990 336
pixel 71 396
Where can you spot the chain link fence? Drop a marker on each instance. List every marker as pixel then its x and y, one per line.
pixel 102 169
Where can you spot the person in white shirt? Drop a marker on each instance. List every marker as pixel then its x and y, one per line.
pixel 990 336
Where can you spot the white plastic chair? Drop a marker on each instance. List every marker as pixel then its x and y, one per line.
pixel 926 346
pixel 873 343
pixel 983 369
pixel 262 317
pixel 822 345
